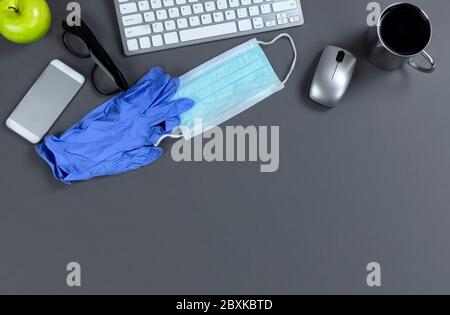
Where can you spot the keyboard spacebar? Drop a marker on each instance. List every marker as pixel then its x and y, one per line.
pixel 208 31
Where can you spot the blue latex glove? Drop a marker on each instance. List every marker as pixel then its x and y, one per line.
pixel 119 135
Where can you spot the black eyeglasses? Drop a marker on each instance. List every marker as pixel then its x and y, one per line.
pixel 81 42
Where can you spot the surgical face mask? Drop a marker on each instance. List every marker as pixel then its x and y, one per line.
pixel 227 85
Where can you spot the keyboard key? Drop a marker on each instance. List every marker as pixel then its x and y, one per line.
pixel 208 31
pixel 144 5
pixel 180 2
pixel 182 23
pixel 245 25
pixel 161 14
pixel 171 38
pixel 294 19
pixel 149 16
pixel 194 20
pixel 156 4
pixel 206 19
pixel 170 25
pixel 246 2
pixel 168 3
pixel 133 19
pixel 271 23
pixel 218 17
pixel 265 9
pixel 222 4
pixel 230 15
pixel 284 5
pixel 234 3
pixel 158 27
pixel 198 8
pixel 242 12
pixel 136 31
pixel 282 21
pixel 258 22
pixel 128 8
pixel 210 6
pixel 145 42
pixel 253 11
pixel 157 40
pixel 186 10
pixel 132 44
pixel 174 12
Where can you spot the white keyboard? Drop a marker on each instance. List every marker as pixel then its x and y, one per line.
pixel 152 25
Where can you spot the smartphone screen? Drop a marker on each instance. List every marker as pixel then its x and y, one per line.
pixel 45 101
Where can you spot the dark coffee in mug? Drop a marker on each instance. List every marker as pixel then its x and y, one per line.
pixel 405 30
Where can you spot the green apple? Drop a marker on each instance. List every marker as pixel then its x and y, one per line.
pixel 24 21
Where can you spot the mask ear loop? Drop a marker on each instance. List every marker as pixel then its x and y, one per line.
pixel 174 136
pixel 294 60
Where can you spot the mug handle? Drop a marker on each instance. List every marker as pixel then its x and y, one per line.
pixel 428 57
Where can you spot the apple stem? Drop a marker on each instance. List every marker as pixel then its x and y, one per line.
pixel 14 9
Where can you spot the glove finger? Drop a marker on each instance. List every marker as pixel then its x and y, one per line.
pixel 150 93
pixel 160 91
pixel 171 123
pixel 169 89
pixel 147 86
pixel 134 159
pixel 121 163
pixel 151 75
pixel 159 114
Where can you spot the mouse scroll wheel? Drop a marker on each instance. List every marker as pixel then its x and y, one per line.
pixel 340 56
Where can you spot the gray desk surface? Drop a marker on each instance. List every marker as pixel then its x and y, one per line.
pixel 367 181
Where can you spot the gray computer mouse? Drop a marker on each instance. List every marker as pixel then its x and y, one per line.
pixel 332 77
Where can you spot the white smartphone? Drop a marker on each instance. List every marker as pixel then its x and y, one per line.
pixel 45 101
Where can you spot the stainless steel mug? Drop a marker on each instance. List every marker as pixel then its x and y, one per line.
pixel 403 32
